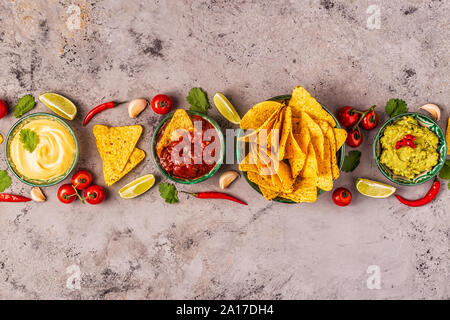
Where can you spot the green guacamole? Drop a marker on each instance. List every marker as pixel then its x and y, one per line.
pixel 406 161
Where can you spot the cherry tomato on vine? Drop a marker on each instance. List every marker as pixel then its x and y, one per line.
pixel 94 194
pixel 82 179
pixel 348 116
pixel 370 120
pixel 66 193
pixel 354 138
pixel 342 197
pixel 161 104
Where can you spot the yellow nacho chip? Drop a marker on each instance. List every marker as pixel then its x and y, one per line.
pixel 257 115
pixel 179 121
pixel 329 134
pixel 265 181
pixel 305 190
pixel 317 138
pixel 265 128
pixel 341 136
pixel 268 194
pixel 111 176
pixel 302 101
pixel 325 178
pixel 295 155
pixel 286 131
pixel 310 169
pixel 115 144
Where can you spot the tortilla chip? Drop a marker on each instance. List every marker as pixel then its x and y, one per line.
pixel 264 181
pixel 317 138
pixel 302 101
pixel 325 178
pixel 179 121
pixel 257 115
pixel 252 137
pixel 286 131
pixel 341 136
pixel 115 144
pixel 329 134
pixel 295 156
pixel 268 194
pixel 310 170
pixel 447 137
pixel 305 190
pixel 111 176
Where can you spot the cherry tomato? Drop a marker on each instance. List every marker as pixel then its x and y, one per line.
pixel 94 194
pixel 370 120
pixel 354 138
pixel 342 197
pixel 82 179
pixel 348 116
pixel 66 194
pixel 3 108
pixel 161 104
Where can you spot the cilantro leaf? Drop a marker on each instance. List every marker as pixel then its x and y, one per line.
pixel 25 104
pixel 5 180
pixel 198 100
pixel 351 161
pixel 395 107
pixel 29 139
pixel 445 171
pixel 168 192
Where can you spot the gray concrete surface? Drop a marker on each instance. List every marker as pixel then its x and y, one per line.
pixel 250 50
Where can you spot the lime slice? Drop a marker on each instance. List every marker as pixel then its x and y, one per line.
pixel 137 187
pixel 374 189
pixel 226 108
pixel 60 105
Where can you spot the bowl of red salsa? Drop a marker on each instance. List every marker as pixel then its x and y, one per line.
pixel 195 156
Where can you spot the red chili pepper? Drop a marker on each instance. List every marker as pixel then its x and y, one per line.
pixel 215 195
pixel 410 137
pixel 98 109
pixel 400 144
pixel 6 197
pixel 431 194
pixel 410 143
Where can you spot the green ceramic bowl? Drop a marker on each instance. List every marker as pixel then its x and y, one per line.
pixel 188 181
pixel 425 176
pixel 239 147
pixel 16 129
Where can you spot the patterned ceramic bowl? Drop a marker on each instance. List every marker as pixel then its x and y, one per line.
pixel 425 176
pixel 340 154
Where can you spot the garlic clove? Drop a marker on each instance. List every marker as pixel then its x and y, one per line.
pixel 136 106
pixel 37 194
pixel 433 110
pixel 227 178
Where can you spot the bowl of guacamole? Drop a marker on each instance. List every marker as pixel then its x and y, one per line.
pixel 410 149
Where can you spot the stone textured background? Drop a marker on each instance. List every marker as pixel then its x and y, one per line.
pixel 249 50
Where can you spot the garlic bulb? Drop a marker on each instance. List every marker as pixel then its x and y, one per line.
pixel 227 178
pixel 136 106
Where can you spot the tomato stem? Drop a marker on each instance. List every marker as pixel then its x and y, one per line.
pixel 78 195
pixel 363 114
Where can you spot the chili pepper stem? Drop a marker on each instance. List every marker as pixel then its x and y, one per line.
pixel 363 114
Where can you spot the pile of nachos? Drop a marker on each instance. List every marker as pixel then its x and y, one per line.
pixel 292 147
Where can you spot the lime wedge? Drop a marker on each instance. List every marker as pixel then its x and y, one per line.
pixel 137 187
pixel 374 189
pixel 226 108
pixel 60 105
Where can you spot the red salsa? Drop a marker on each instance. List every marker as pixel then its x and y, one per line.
pixel 191 156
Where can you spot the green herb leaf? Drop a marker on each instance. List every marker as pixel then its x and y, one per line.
pixel 351 161
pixel 395 107
pixel 198 100
pixel 25 104
pixel 5 180
pixel 445 171
pixel 168 192
pixel 29 139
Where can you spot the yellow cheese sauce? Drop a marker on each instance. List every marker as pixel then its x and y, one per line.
pixel 53 156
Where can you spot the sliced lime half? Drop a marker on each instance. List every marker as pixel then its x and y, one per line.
pixel 60 105
pixel 226 108
pixel 374 189
pixel 137 187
